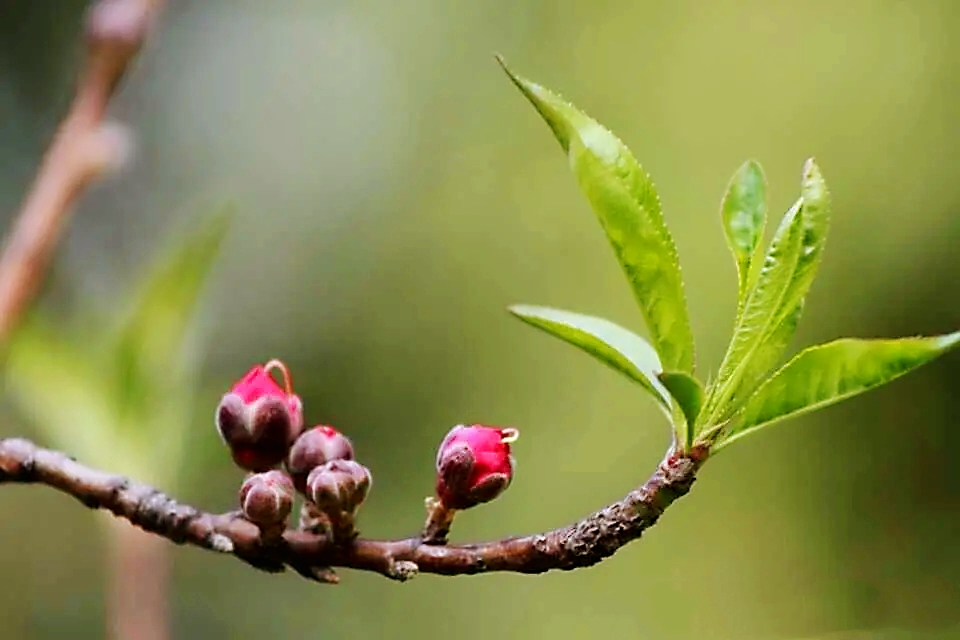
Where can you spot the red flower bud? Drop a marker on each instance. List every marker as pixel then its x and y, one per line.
pixel 266 498
pixel 314 448
pixel 474 465
pixel 258 419
pixel 339 486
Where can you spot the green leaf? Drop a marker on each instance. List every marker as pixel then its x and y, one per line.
pixel 828 373
pixel 609 343
pixel 59 388
pixel 815 209
pixel 153 360
pixel 766 357
pixel 688 394
pixel 149 353
pixel 759 313
pixel 628 207
pixel 744 215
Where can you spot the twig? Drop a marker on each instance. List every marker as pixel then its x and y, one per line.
pixel 581 544
pixel 82 149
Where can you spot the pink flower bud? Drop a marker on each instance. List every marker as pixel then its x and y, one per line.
pixel 474 465
pixel 339 486
pixel 258 419
pixel 266 498
pixel 316 447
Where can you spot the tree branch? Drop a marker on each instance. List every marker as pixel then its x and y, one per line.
pixel 82 149
pixel 581 544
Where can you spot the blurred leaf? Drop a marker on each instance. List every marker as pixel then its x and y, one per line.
pixel 203 449
pixel 828 373
pixel 609 343
pixel 688 394
pixel 628 207
pixel 59 388
pixel 149 350
pixel 744 216
pixel 123 407
pixel 758 313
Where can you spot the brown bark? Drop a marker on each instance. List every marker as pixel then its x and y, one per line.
pixel 581 544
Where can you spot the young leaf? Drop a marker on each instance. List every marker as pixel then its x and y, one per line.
pixel 816 223
pixel 57 385
pixel 828 373
pixel 744 215
pixel 766 357
pixel 758 312
pixel 626 203
pixel 688 394
pixel 815 209
pixel 609 343
pixel 150 340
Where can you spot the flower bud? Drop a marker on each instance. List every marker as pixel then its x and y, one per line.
pixel 266 498
pixel 315 448
pixel 474 465
pixel 339 486
pixel 258 419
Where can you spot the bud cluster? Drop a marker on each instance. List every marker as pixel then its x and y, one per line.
pixel 261 421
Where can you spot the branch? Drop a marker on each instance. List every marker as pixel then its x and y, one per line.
pixel 581 544
pixel 82 149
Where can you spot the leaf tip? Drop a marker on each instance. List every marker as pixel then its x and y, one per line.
pixel 811 171
pixel 526 311
pixel 752 165
pixel 219 220
pixel 813 187
pixel 551 107
pixel 949 341
pixel 750 177
pixel 521 83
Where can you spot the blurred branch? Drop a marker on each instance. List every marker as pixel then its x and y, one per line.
pixel 581 544
pixel 83 148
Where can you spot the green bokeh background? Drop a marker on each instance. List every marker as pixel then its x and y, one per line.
pixel 396 193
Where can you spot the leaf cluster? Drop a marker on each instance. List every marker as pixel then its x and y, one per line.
pixel 773 281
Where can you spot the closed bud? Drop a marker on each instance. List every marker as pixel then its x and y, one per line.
pixel 314 448
pixel 266 498
pixel 474 465
pixel 339 486
pixel 260 420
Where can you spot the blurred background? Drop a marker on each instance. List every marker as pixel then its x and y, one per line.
pixel 396 193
